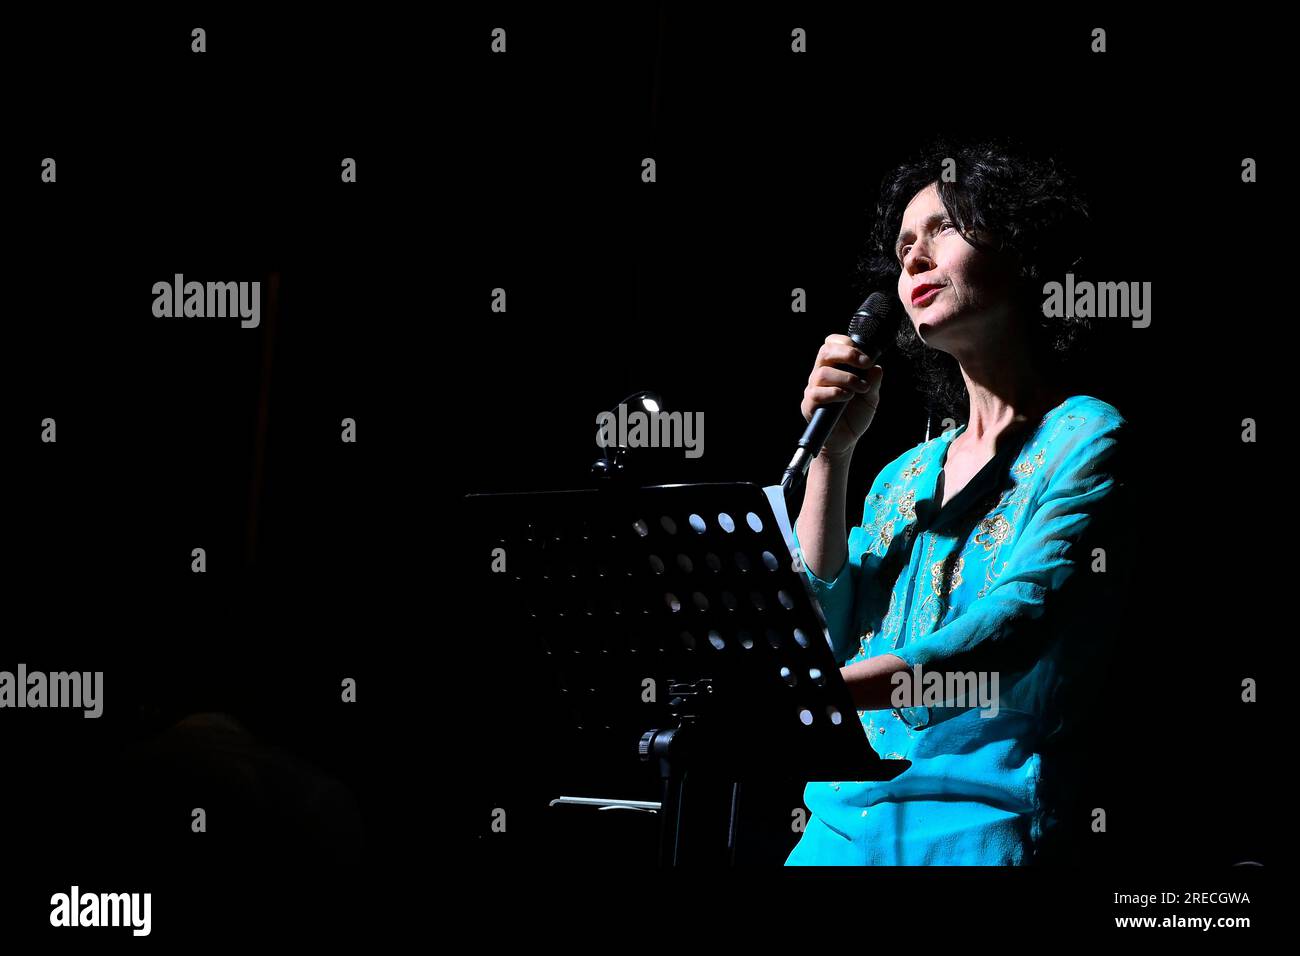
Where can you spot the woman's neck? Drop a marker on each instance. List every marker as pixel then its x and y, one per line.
pixel 1005 394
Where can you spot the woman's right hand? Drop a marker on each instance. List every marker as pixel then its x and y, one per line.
pixel 828 386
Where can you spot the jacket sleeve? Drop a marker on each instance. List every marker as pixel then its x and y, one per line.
pixel 837 600
pixel 859 588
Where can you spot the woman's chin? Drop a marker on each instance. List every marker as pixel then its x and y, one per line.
pixel 935 329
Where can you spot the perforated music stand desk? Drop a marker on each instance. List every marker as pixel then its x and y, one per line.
pixel 673 620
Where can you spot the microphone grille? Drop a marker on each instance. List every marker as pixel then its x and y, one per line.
pixel 874 317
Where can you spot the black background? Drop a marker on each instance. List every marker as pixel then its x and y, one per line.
pixel 522 171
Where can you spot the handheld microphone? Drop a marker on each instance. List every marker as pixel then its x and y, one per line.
pixel 872 330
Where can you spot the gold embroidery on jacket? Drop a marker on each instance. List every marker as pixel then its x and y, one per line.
pixel 889 625
pixel 946 575
pixel 886 537
pixel 1026 467
pixel 993 531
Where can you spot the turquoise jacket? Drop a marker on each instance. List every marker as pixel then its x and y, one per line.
pixel 1013 579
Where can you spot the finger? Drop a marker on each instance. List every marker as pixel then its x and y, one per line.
pixel 843 355
pixel 829 395
pixel 830 376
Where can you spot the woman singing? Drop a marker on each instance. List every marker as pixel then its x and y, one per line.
pixel 990 550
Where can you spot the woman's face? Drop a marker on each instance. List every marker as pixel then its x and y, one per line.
pixel 971 306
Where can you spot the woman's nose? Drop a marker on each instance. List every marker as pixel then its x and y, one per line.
pixel 917 260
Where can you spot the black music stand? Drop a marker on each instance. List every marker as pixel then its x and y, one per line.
pixel 686 590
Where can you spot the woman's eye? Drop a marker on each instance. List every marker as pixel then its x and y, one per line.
pixel 945 224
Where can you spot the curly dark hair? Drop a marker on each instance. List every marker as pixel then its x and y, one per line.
pixel 1004 199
